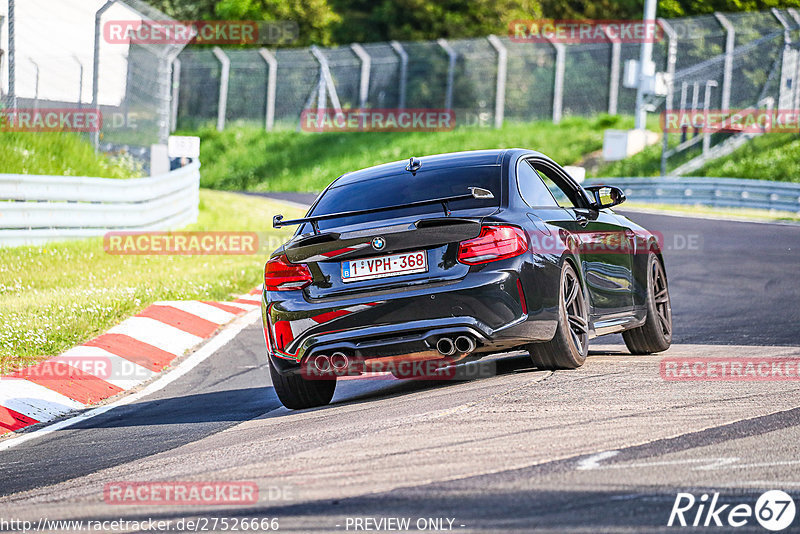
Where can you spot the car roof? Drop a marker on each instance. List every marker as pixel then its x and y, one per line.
pixel 470 158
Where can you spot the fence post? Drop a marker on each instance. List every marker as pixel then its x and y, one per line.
pixel 796 82
pixel 95 64
pixel 224 77
pixel 2 53
pixel 451 71
pixel 613 82
pixel 672 55
pixel 176 93
pixel 326 79
pixel 36 86
pixel 706 108
pixel 730 43
pixel 366 64
pixel 400 51
pixel 12 76
pixel 165 98
pixel 558 83
pixel 272 64
pixel 80 80
pixel 502 74
pixel 784 96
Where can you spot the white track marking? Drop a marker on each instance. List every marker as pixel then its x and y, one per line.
pixel 114 369
pixel 204 311
pixel 593 461
pixel 243 307
pixel 214 344
pixel 158 334
pixel 33 400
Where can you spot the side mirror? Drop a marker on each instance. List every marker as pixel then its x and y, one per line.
pixel 606 196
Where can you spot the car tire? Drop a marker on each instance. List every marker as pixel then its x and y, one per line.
pixel 297 393
pixel 655 335
pixel 570 344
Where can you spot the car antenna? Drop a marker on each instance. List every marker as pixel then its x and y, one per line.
pixel 413 165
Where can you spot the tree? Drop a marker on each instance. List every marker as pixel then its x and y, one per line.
pixel 315 18
pixel 186 9
pixel 382 20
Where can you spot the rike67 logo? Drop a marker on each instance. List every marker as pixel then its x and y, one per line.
pixel 774 510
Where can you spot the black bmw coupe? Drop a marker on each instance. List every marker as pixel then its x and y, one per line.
pixel 451 257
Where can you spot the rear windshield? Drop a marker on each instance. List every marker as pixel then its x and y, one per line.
pixel 405 188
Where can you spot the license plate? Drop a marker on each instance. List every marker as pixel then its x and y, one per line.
pixel 385 266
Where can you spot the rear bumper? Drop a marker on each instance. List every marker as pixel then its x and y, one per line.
pixel 484 305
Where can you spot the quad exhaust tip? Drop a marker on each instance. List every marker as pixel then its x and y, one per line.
pixel 322 363
pixel 445 346
pixel 461 345
pixel 339 361
pixel 464 344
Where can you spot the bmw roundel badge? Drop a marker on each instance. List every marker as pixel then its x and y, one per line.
pixel 378 243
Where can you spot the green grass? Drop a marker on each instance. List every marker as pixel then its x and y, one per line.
pixel 59 154
pixel 56 296
pixel 773 156
pixel 247 158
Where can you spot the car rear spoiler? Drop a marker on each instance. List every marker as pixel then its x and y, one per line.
pixel 475 192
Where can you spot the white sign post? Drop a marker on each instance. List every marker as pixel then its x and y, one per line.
pixel 183 147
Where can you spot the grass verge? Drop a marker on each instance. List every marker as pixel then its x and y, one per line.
pixel 247 158
pixel 60 154
pixel 772 156
pixel 57 296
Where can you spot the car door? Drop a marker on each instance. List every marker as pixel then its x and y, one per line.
pixel 604 244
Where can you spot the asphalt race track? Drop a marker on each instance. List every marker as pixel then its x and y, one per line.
pixel 605 447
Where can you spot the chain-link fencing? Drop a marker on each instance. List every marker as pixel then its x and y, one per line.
pixel 126 83
pixel 718 61
pixel 728 62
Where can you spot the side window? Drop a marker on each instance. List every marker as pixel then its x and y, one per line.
pixel 532 188
pixel 563 194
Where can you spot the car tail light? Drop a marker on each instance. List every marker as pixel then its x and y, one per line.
pixel 281 275
pixel 494 243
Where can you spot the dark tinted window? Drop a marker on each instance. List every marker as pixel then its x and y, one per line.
pixel 406 188
pixel 532 188
pixel 564 195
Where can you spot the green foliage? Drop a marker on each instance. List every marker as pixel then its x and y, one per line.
pixel 382 20
pixel 315 18
pixel 60 154
pixel 247 158
pixel 682 8
pixel 325 22
pixel 186 9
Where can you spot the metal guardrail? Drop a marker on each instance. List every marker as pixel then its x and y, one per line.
pixel 38 209
pixel 715 192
